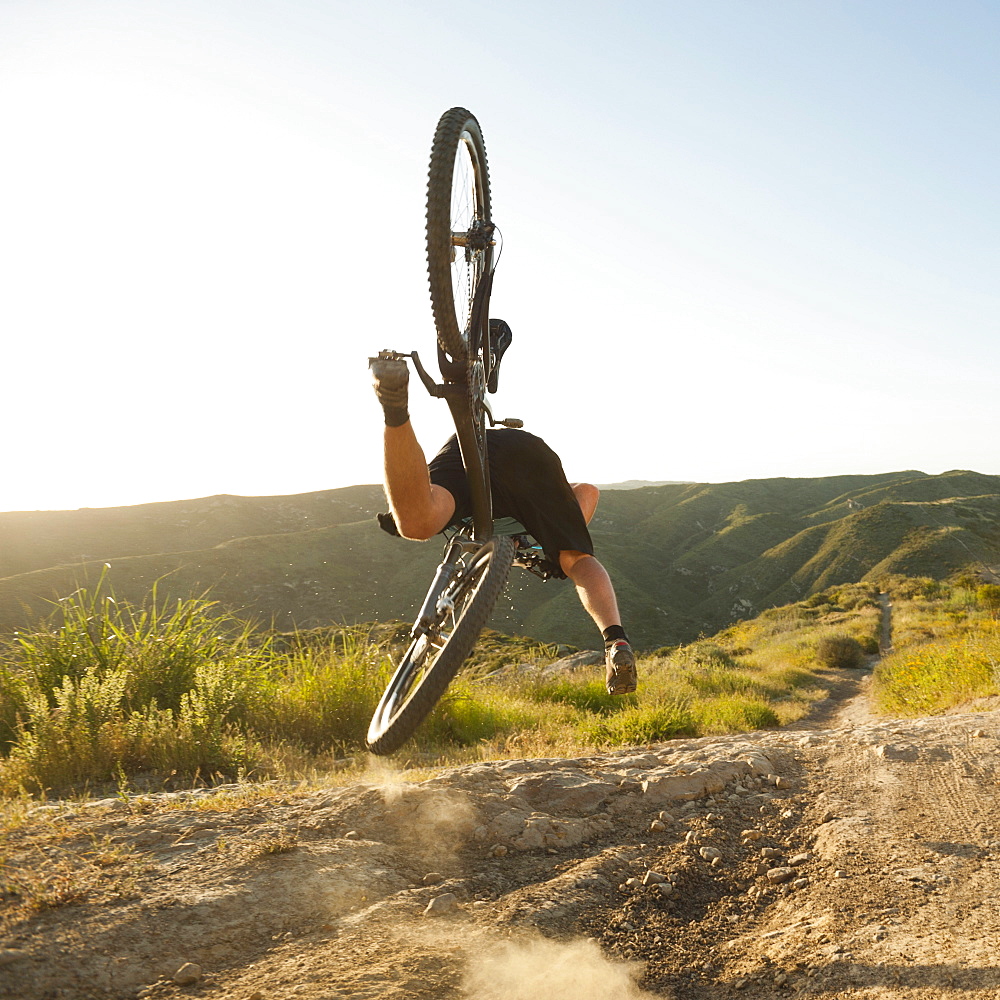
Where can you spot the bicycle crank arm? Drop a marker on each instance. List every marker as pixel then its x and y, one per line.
pixel 455 389
pixel 429 384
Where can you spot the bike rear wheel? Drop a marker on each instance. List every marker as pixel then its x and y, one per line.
pixel 433 659
pixel 459 235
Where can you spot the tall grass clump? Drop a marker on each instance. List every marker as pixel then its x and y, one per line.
pixel 103 687
pixel 639 723
pixel 322 697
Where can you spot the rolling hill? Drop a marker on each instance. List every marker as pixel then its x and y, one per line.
pixel 686 558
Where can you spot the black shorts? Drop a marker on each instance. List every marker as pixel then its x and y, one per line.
pixel 527 482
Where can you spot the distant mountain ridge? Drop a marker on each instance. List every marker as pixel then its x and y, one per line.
pixel 638 484
pixel 687 558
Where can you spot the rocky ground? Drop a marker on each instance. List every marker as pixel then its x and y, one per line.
pixel 849 856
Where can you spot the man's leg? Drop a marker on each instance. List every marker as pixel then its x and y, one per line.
pixel 597 595
pixel 593 587
pixel 419 507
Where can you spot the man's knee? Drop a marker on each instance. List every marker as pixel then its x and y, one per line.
pixel 587 495
pixel 420 521
pixel 416 529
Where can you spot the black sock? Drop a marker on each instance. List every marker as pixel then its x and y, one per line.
pixel 612 634
pixel 395 416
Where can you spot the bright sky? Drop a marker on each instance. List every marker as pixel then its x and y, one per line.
pixel 741 240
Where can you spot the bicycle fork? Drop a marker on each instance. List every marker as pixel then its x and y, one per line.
pixel 431 608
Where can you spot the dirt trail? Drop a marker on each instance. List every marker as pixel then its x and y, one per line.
pixel 849 856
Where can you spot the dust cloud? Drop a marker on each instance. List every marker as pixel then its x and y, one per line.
pixel 438 819
pixel 552 970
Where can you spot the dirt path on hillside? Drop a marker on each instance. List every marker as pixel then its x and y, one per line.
pixel 849 856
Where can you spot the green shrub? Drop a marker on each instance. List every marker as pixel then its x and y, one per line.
pixel 988 596
pixel 840 651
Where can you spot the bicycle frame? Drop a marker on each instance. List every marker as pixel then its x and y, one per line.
pixel 457 392
pixel 461 543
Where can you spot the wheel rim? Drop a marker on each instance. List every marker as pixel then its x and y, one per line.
pixel 424 650
pixel 470 240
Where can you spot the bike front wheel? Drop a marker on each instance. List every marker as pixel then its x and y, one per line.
pixel 459 235
pixel 434 657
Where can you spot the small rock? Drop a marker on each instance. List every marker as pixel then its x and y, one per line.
pixel 432 878
pixel 710 853
pixel 653 878
pixel 778 875
pixel 626 926
pixel 631 883
pixel 740 984
pixel 780 979
pixel 770 852
pixel 799 859
pixel 666 817
pixel 352 835
pixel 749 835
pixel 840 873
pixel 664 888
pixel 10 955
pixel 187 974
pixel 480 904
pixel 979 733
pixel 782 782
pixel 657 826
pixel 441 904
pixel 691 837
pixel 800 883
pixel 498 851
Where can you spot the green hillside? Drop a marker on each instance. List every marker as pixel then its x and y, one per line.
pixel 687 559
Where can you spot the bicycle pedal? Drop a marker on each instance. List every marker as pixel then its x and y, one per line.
pixel 388 354
pixel 511 422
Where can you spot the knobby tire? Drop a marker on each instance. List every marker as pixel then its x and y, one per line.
pixel 402 709
pixel 458 136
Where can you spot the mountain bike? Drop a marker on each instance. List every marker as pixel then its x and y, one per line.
pixel 461 257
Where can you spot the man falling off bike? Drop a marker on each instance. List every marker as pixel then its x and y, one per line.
pixel 527 483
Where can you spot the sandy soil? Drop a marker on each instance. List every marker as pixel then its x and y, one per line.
pixel 851 856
